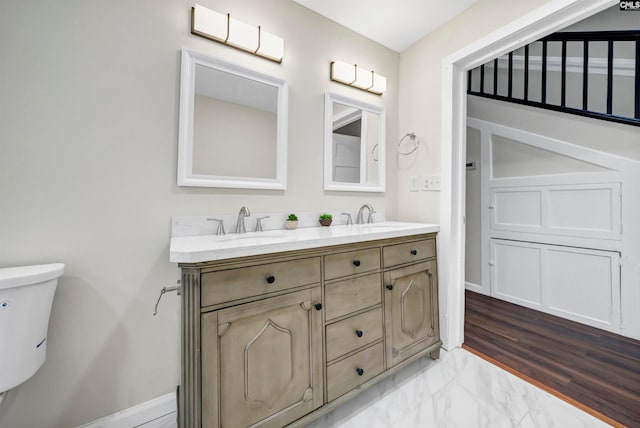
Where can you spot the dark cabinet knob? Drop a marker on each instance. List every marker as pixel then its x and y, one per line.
pixel 271 279
pixel 359 333
pixel 414 252
pixel 356 263
pixel 359 371
pixel 389 286
pixel 318 306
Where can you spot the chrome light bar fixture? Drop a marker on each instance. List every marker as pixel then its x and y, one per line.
pixel 224 29
pixel 358 77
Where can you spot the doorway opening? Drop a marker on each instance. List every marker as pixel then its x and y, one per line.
pixel 545 20
pixel 453 211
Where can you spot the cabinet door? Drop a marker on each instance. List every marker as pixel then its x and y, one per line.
pixel 411 311
pixel 269 362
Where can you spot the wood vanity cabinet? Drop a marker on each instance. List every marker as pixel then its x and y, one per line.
pixel 280 339
pixel 265 359
pixel 411 311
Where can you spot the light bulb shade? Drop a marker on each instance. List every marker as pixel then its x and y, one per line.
pixel 343 72
pixel 243 36
pixel 224 29
pixel 271 46
pixel 209 23
pixel 358 77
pixel 379 84
pixel 364 78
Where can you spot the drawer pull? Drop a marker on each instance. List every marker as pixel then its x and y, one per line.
pixel 389 286
pixel 359 371
pixel 271 279
pixel 414 252
pixel 356 263
pixel 318 306
pixel 359 333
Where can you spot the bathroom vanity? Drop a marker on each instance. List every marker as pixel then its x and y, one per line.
pixel 281 327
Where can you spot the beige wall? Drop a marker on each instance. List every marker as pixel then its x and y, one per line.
pixel 88 151
pixel 233 140
pixel 420 95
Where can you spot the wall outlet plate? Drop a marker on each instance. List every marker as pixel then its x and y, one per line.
pixel 430 183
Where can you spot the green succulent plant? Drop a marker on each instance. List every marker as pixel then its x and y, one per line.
pixel 292 217
pixel 326 217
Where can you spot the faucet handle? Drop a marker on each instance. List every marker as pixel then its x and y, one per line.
pixel 220 229
pixel 349 221
pixel 259 223
pixel 370 218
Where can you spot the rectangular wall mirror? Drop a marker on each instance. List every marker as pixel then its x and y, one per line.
pixel 354 143
pixel 233 126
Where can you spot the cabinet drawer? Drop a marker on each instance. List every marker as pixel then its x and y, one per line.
pixel 233 284
pixel 342 298
pixel 350 334
pixel 409 252
pixel 350 263
pixel 345 375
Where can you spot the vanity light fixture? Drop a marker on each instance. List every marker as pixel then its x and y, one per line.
pixel 224 29
pixel 358 77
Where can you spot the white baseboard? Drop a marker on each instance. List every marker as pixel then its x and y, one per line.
pixel 142 415
pixel 476 287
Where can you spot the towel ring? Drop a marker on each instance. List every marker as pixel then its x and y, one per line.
pixel 412 143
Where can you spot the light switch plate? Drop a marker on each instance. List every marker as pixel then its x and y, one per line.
pixel 414 183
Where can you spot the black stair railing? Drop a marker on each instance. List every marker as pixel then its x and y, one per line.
pixel 610 37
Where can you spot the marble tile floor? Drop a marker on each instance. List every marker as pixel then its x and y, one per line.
pixel 460 390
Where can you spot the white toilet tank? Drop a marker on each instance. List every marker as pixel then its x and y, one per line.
pixel 26 297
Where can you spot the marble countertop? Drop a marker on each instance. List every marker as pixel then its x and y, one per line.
pixel 202 248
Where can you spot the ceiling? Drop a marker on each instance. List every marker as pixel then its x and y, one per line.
pixel 396 24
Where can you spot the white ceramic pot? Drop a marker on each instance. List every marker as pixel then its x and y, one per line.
pixel 291 225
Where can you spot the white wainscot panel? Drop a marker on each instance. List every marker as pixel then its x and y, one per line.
pixel 579 284
pixel 590 211
pixel 585 210
pixel 519 209
pixel 583 285
pixel 515 276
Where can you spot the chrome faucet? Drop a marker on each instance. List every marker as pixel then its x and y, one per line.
pixel 220 228
pixel 349 221
pixel 360 218
pixel 259 227
pixel 240 227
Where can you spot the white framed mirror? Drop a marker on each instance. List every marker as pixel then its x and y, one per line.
pixel 354 145
pixel 233 126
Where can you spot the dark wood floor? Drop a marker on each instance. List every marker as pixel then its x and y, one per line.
pixel 598 369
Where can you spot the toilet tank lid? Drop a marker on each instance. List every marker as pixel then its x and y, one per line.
pixel 23 275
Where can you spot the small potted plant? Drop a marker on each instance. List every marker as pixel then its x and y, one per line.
pixel 325 219
pixel 292 222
